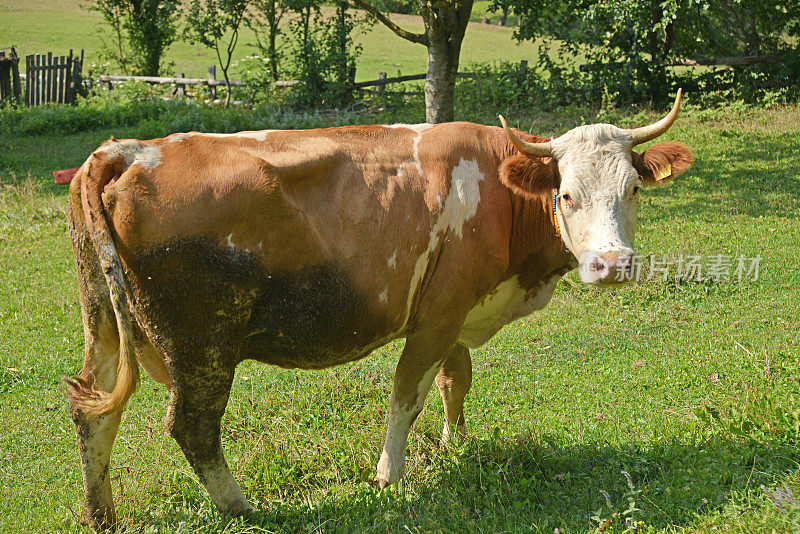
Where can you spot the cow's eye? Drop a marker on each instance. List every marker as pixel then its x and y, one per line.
pixel 566 198
pixel 636 189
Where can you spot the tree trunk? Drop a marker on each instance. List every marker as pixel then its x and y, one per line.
pixel 272 53
pixel 445 24
pixel 440 83
pixel 504 16
pixel 273 19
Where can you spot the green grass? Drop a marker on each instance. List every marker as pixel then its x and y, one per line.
pixel 41 26
pixel 563 402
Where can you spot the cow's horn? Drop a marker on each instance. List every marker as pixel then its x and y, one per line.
pixel 542 150
pixel 646 133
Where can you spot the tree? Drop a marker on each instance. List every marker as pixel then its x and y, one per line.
pixel 631 41
pixel 445 23
pixel 267 18
pixel 143 29
pixel 216 24
pixel 323 54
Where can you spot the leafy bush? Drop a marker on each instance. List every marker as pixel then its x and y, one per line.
pixel 141 32
pixel 323 56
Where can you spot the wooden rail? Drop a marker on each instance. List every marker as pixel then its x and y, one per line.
pixel 727 61
pixel 212 82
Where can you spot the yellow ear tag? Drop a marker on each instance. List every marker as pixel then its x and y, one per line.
pixel 664 172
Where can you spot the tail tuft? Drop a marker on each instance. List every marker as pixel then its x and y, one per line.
pixel 99 171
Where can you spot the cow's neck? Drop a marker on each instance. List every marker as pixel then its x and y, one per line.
pixel 536 251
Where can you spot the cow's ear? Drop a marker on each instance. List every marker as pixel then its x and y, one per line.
pixel 662 162
pixel 529 177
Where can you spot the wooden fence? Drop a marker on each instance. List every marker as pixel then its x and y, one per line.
pixel 180 82
pixel 51 78
pixel 10 86
pixel 725 61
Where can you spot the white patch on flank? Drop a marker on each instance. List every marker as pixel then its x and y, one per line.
pixel 506 303
pixel 459 207
pixel 464 194
pixel 392 262
pixel 383 296
pixel 230 241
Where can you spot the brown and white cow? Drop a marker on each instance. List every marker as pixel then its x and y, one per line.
pixel 310 249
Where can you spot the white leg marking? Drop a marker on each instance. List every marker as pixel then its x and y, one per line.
pixel 391 466
pixel 224 490
pixel 392 262
pixel 447 433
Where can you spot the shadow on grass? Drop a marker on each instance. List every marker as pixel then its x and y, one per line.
pixel 535 485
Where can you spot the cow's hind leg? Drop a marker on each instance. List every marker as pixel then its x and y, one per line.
pixel 96 433
pixel 454 380
pixel 199 394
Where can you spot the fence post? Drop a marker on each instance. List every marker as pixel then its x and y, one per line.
pixel 211 77
pixel 75 77
pixel 62 79
pixel 16 86
pixel 181 87
pixel 68 88
pixel 28 74
pixel 5 75
pixel 381 88
pixel 37 90
pixel 49 78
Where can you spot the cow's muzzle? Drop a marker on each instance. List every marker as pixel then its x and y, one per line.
pixel 612 268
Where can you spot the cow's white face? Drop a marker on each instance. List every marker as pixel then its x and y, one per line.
pixel 598 177
pixel 597 200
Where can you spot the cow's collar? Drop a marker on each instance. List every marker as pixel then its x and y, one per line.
pixel 555 218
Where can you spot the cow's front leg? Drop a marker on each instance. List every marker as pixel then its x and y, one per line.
pixel 454 380
pixel 421 359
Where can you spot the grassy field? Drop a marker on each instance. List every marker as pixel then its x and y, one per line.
pixel 57 25
pixel 691 389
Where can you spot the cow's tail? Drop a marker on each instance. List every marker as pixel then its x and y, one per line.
pixel 95 174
